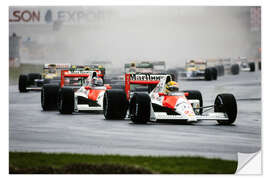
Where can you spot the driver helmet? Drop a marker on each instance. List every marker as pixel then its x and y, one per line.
pixel 73 68
pixel 171 86
pixel 97 81
pixel 100 66
pixel 86 68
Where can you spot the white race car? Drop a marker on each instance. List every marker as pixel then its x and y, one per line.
pixel 77 92
pixel 155 105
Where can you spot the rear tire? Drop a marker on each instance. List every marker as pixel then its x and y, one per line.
pixel 23 83
pixel 222 70
pixel 208 74
pixel 252 66
pixel 214 73
pixel 49 94
pixel 115 104
pixel 32 77
pixel 235 69
pixel 66 101
pixel 140 109
pixel 226 103
pixel 195 95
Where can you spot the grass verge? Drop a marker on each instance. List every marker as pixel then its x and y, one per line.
pixel 64 163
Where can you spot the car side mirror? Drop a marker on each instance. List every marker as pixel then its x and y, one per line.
pixel 161 94
pixel 87 88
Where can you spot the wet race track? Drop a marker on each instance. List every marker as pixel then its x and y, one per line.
pixel 31 129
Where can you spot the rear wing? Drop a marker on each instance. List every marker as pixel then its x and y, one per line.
pixel 99 71
pixel 57 66
pixel 67 73
pixel 144 79
pixel 158 63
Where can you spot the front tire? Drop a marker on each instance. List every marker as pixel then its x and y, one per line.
pixel 115 104
pixel 140 108
pixel 226 103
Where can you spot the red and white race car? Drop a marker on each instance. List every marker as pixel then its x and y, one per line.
pixel 78 91
pixel 155 105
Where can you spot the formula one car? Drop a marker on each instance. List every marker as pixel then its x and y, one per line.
pixel 199 70
pixel 35 81
pixel 78 91
pixel 90 67
pixel 245 65
pixel 230 66
pixel 156 105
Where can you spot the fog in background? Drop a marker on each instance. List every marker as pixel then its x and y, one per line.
pixel 126 34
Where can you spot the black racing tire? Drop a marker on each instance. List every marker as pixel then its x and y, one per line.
pixel 235 69
pixel 208 74
pixel 193 94
pixel 218 67
pixel 259 65
pixel 49 95
pixel 214 73
pixel 66 100
pixel 226 103
pixel 252 66
pixel 32 77
pixel 222 70
pixel 115 104
pixel 23 83
pixel 140 108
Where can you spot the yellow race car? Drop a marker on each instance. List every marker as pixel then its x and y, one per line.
pixel 34 81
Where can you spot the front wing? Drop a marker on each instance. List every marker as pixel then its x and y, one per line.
pixel 209 116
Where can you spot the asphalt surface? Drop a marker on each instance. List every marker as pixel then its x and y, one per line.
pixel 31 129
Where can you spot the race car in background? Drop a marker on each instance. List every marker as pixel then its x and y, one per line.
pixel 198 69
pixel 78 91
pixel 216 63
pixel 152 67
pixel 90 67
pixel 245 65
pixel 155 104
pixel 35 81
pixel 159 67
pixel 230 66
pixel 141 67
